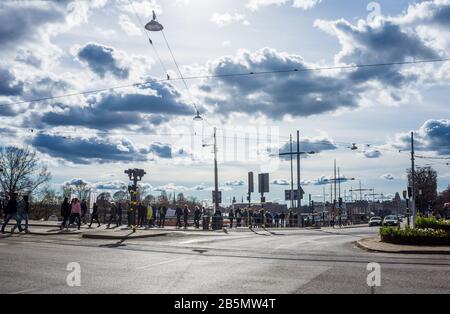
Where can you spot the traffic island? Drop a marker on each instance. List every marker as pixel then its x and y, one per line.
pixel 376 245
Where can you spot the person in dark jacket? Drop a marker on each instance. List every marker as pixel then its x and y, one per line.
pixel 186 213
pixel 142 215
pixel 178 213
pixel 238 215
pixel 197 216
pixel 23 209
pixel 231 217
pixel 162 216
pixel 113 216
pixel 119 214
pixel 11 212
pixel 65 213
pixel 94 216
pixel 282 220
pixel 84 210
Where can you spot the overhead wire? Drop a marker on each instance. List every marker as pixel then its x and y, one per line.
pixel 214 76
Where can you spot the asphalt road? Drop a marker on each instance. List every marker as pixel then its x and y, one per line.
pixel 287 262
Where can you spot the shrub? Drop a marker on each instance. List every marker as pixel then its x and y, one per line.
pixel 410 236
pixel 432 223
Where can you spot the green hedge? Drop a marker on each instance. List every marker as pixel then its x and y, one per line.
pixel 410 236
pixel 432 223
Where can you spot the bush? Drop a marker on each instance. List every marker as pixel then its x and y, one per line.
pixel 410 236
pixel 432 223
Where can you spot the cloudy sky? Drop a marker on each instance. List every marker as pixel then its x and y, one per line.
pixel 139 119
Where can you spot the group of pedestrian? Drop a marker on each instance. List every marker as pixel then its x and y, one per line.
pixel 17 210
pixel 256 218
pixel 76 213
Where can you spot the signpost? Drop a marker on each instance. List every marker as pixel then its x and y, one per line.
pixel 293 195
pixel 251 189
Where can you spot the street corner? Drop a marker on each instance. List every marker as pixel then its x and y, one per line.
pixel 375 245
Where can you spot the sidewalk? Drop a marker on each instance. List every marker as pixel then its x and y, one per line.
pixel 375 245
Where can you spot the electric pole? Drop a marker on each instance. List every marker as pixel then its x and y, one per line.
pixel 299 187
pixel 292 174
pixel 216 174
pixel 413 179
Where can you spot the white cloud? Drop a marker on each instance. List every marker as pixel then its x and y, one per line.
pixel 128 26
pixel 225 19
pixel 301 4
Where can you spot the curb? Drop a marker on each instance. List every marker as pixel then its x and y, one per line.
pixel 416 252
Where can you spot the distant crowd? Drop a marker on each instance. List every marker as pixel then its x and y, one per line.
pixel 156 216
pixel 75 213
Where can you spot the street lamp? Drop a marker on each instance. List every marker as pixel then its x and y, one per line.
pixel 154 25
pixel 198 117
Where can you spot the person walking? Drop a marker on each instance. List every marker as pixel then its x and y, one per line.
pixel 23 208
pixel 142 215
pixel 178 213
pixel 113 216
pixel 186 213
pixel 119 214
pixel 65 213
pixel 231 217
pixel 282 219
pixel 238 215
pixel 197 216
pixel 94 216
pixel 162 216
pixel 76 212
pixel 150 217
pixel 277 220
pixel 84 211
pixel 11 212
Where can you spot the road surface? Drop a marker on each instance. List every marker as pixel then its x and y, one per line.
pixel 284 261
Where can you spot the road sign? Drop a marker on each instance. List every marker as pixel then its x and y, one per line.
pixel 264 186
pixel 219 197
pixel 293 195
pixel 251 185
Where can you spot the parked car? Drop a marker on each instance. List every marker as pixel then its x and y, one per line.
pixel 375 221
pixel 391 221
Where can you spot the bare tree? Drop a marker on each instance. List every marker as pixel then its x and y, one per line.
pixel 78 187
pixel 21 171
pixel 426 186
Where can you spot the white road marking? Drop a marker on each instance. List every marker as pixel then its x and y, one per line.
pixel 163 263
pixel 24 291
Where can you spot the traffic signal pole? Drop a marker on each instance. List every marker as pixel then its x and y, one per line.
pixel 216 174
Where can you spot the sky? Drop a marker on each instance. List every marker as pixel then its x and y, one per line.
pixel 56 51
